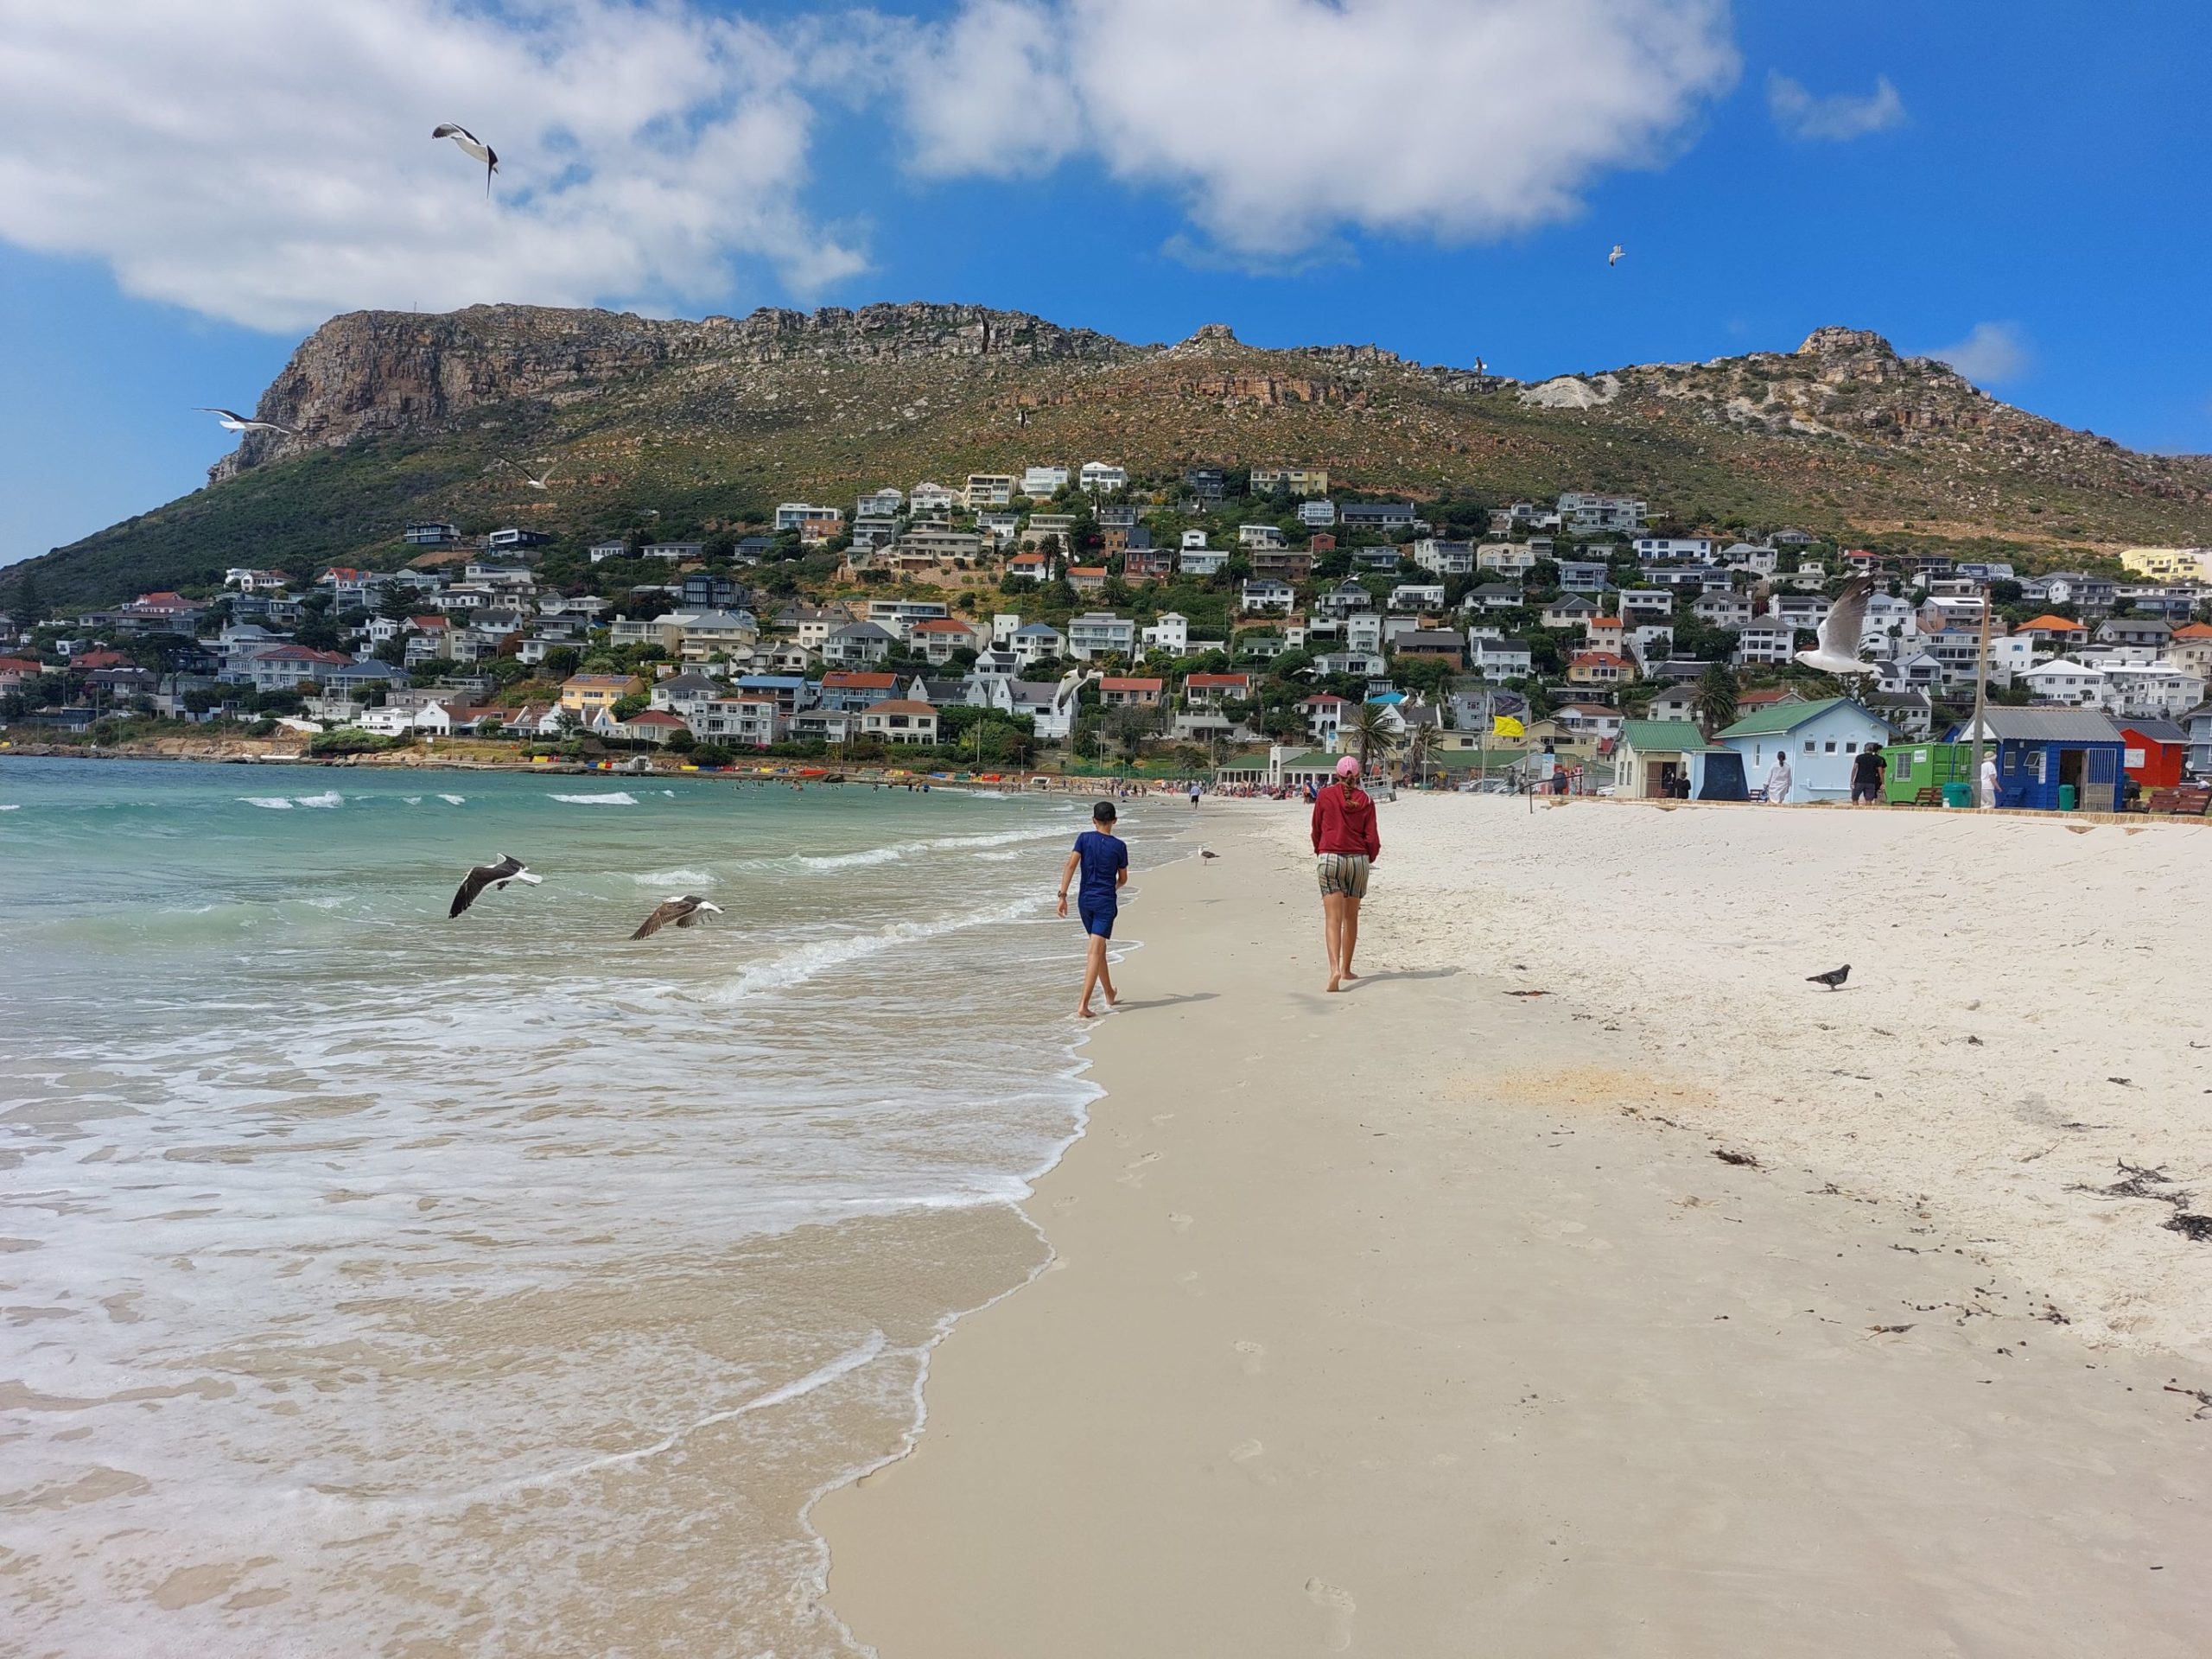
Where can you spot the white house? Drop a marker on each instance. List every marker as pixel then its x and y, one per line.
pixel 1099 633
pixel 1172 634
pixel 933 498
pixel 1201 560
pixel 1698 549
pixel 1498 659
pixel 1098 478
pixel 1765 640
pixel 1039 482
pixel 1264 595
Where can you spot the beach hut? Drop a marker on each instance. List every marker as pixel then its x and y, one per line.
pixel 1919 770
pixel 1822 739
pixel 2156 752
pixel 1654 754
pixel 2048 758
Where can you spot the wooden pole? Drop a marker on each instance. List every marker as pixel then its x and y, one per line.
pixel 1980 702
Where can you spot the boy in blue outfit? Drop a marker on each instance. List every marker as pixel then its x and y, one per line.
pixel 1103 858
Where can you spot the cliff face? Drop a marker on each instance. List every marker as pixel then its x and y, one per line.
pixel 370 372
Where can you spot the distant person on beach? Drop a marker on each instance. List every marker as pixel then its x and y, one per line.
pixel 1778 780
pixel 1988 782
pixel 1346 846
pixel 1103 858
pixel 1866 774
pixel 1194 794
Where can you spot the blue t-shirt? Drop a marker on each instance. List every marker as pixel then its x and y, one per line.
pixel 1103 858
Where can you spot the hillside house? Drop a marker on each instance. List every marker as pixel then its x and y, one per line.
pixel 1101 634
pixel 850 691
pixel 1131 691
pixel 900 721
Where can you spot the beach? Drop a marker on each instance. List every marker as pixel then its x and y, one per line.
pixel 1428 1319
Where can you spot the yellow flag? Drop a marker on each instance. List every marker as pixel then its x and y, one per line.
pixel 1506 726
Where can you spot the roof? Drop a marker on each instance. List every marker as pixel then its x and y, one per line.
pixel 1039 629
pixel 853 680
pixel 1789 716
pixel 20 665
pixel 2158 731
pixel 1130 682
pixel 941 625
pixel 1663 736
pixel 1431 639
pixel 2194 631
pixel 902 706
pixel 867 630
pixel 652 717
pixel 2055 625
pixel 2050 726
pixel 1766 696
pixel 1216 679
pixel 597 682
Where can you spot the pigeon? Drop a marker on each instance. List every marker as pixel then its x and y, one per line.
pixel 1838 651
pixel 684 911
pixel 471 146
pixel 1616 256
pixel 231 421
pixel 536 481
pixel 508 868
pixel 1832 979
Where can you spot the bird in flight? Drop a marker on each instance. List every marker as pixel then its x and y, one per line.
pixel 1838 651
pixel 508 869
pixel 684 911
pixel 1616 256
pixel 1832 979
pixel 471 146
pixel 231 421
pixel 536 481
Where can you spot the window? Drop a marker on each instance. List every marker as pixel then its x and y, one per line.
pixel 1808 746
pixel 1831 746
pixel 1850 748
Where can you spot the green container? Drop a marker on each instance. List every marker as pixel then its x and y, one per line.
pixel 1958 794
pixel 2068 797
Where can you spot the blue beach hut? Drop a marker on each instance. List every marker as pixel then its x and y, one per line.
pixel 2041 752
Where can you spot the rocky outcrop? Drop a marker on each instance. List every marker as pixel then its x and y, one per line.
pixel 374 372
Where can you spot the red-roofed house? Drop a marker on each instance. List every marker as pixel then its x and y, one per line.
pixel 88 660
pixel 938 637
pixel 2062 629
pixel 1087 578
pixel 1766 697
pixel 14 670
pixel 1599 668
pixel 851 690
pixel 1137 691
pixel 1211 690
pixel 1031 567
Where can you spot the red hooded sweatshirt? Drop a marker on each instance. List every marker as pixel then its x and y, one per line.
pixel 1344 822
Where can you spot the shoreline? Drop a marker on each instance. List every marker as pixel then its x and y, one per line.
pixel 1427 1319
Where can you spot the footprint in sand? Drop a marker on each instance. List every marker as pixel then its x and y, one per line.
pixel 1340 1607
pixel 1254 1357
pixel 1181 1224
pixel 1133 1172
pixel 1246 1455
pixel 1163 1118
pixel 1189 1282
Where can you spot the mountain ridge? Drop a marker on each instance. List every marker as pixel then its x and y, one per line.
pixel 689 426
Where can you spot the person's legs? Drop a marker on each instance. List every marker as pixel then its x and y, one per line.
pixel 1351 935
pixel 1332 932
pixel 1099 949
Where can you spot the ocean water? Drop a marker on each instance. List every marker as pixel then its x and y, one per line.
pixel 374 1282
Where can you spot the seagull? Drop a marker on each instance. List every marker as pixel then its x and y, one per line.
pixel 471 146
pixel 231 421
pixel 536 481
pixel 508 868
pixel 1838 651
pixel 1207 852
pixel 1832 979
pixel 684 911
pixel 1616 256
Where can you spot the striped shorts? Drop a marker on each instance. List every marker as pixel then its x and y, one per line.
pixel 1345 873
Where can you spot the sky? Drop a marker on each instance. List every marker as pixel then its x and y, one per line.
pixel 186 188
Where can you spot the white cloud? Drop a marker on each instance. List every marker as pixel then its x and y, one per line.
pixel 269 162
pixel 1841 116
pixel 1992 353
pixel 1284 122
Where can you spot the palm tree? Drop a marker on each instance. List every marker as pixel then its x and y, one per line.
pixel 1420 746
pixel 1369 730
pixel 1716 698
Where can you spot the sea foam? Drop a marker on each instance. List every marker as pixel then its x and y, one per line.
pixel 617 797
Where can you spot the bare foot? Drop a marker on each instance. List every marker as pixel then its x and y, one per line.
pixel 1334 984
pixel 1349 975
pixel 1112 997
pixel 1085 1013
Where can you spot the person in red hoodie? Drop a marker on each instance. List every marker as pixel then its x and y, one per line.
pixel 1346 846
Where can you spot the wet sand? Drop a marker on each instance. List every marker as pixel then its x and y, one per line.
pixel 1424 1319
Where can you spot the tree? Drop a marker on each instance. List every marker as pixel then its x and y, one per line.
pixel 1371 734
pixel 1716 698
pixel 1420 746
pixel 560 663
pixel 636 703
pixel 1128 725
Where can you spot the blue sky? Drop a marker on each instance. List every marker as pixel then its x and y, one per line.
pixel 2016 184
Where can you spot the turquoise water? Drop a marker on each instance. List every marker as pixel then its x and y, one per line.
pixel 376 1281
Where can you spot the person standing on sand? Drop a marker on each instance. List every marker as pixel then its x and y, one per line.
pixel 1103 858
pixel 1866 774
pixel 1778 780
pixel 1988 782
pixel 1346 846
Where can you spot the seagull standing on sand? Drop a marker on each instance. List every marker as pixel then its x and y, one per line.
pixel 1616 256
pixel 471 146
pixel 231 421
pixel 1838 651
pixel 684 911
pixel 508 868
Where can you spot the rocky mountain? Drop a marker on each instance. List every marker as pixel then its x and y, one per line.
pixel 689 426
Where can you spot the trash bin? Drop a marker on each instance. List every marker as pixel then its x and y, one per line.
pixel 1958 794
pixel 2068 797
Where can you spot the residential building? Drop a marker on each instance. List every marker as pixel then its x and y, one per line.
pixel 1137 691
pixel 1599 668
pixel 1058 527
pixel 746 721
pixel 1042 483
pixel 988 490
pixel 1698 549
pixel 791 693
pixel 1444 558
pixel 1765 640
pixel 898 617
pixel 1593 721
pixel 1087 578
pixel 1376 515
pixel 1211 690
pixel 900 720
pixel 1490 596
pixel 674 552
pixel 1584 510
pixel 1292 480
pixel 1722 609
pixel 602 551
pixel 1358 664
pixel 853 689
pixel 1266 596
pixel 1147 563
pixel 1269 535
pixel 1097 478
pixel 1317 514
pixel 1498 660
pixel 1030 567
pixel 2168 563
pixel 431 532
pixel 1568 611
pixel 934 497
pixel 858 643
pixel 796 515
pixel 1206 484
pixel 1325 719
pixel 1822 739
pixel 1583 575
pixel 2148 631
pixel 1037 642
pixel 588 693
pixel 1099 633
pixel 1434 645
pixel 1171 634
pixel 938 637
pixel 1426 596
pixel 1507 558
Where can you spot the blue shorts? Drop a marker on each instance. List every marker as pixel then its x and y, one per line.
pixel 1098 920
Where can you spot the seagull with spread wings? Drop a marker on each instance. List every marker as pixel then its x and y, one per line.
pixel 471 146
pixel 507 868
pixel 1838 651
pixel 536 481
pixel 1613 258
pixel 688 911
pixel 231 421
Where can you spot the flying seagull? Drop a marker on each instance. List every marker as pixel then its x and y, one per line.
pixel 1832 979
pixel 508 868
pixel 1616 256
pixel 684 912
pixel 471 146
pixel 536 481
pixel 1838 651
pixel 231 421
